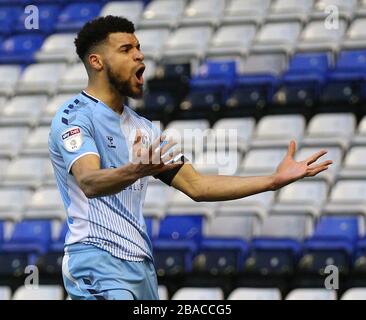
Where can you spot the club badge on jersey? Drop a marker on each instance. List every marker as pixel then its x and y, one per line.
pixel 72 139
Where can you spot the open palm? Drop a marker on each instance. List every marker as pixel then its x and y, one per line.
pixel 290 170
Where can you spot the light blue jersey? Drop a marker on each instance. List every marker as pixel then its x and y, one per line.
pixel 115 223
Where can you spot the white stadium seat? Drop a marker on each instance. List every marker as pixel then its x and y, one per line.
pixel 131 10
pixel 58 47
pixel 43 292
pixel 198 294
pixel 255 294
pixel 312 294
pixel 162 13
pixel 41 78
pixel 238 11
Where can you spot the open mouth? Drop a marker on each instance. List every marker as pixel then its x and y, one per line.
pixel 139 75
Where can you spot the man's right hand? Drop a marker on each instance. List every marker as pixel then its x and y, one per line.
pixel 149 161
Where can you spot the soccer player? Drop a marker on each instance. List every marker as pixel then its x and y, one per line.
pixel 102 173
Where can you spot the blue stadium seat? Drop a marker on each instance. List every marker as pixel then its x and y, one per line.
pixel 20 48
pixel 210 88
pixel 47 16
pixel 168 90
pixel 273 256
pixel 179 237
pixel 75 15
pixel 220 256
pixel 51 262
pixel 346 83
pixel 305 77
pixel 30 238
pixel 8 17
pixel 1 232
pixel 332 243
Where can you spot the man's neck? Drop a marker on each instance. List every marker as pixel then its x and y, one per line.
pixel 109 97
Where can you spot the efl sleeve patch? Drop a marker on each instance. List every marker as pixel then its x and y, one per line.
pixel 72 139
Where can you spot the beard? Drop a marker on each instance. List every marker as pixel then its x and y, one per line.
pixel 123 87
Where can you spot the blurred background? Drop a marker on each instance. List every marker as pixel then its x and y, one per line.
pixel 272 70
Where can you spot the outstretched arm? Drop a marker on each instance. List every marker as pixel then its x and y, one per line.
pixel 219 188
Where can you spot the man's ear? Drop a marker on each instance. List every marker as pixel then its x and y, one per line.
pixel 95 62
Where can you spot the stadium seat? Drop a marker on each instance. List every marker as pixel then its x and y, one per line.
pixel 37 141
pixel 353 165
pixel 332 243
pixel 9 75
pixel 257 205
pixel 347 197
pixel 177 243
pixel 188 42
pixel 162 13
pixel 302 197
pixel 75 79
pixel 224 246
pixel 330 129
pixel 360 135
pixel 333 153
pixel 231 134
pixel 278 130
pixel 315 37
pixel 131 10
pixel 229 41
pixel 163 293
pixel 255 86
pixel 23 110
pixel 29 239
pixel 210 87
pixel 304 79
pixel 3 166
pixel 45 204
pixel 152 41
pixel 53 105
pixel 261 161
pixel 25 171
pixel 40 78
pixel 155 205
pixel 346 83
pixel 8 18
pixel 47 14
pixel 198 294
pixel 75 15
pixel 312 294
pixel 43 292
pixel 287 10
pixel 181 204
pixel 201 12
pixel 355 37
pixel 58 47
pixel 51 262
pixel 220 162
pixel 255 294
pixel 13 203
pixel 345 9
pixel 354 294
pixel 10 147
pixel 277 248
pixel 20 48
pixel 278 36
pixel 5 293
pixel 238 11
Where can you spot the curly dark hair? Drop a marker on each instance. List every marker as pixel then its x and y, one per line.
pixel 97 30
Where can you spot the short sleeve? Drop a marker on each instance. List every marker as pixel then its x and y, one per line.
pixel 74 140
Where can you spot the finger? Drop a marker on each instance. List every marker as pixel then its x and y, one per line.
pixel 314 172
pixel 166 147
pixel 324 163
pixel 315 156
pixel 138 136
pixel 171 156
pixel 291 148
pixel 156 143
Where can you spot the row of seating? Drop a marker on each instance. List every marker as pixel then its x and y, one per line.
pixel 231 242
pixel 55 292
